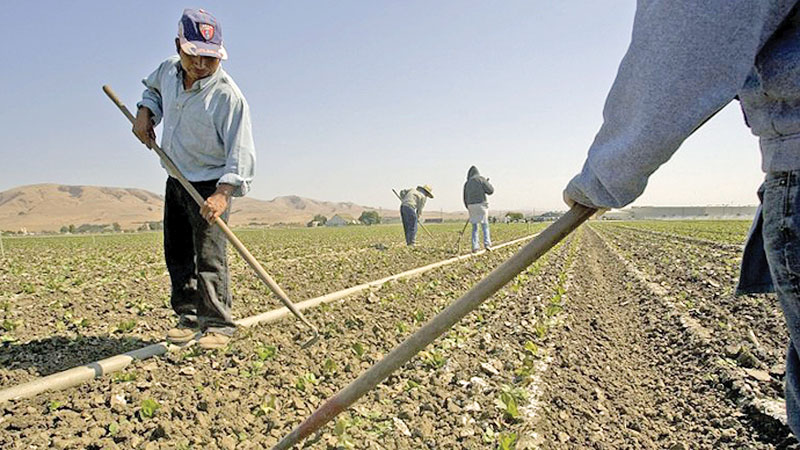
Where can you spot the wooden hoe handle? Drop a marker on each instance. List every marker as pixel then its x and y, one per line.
pixel 401 354
pixel 251 260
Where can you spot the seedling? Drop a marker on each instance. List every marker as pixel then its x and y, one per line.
pixel 305 380
pixel 124 377
pixel 359 349
pixel 266 407
pixel 509 400
pixel 265 352
pixel 329 367
pixel 531 348
pixel 402 327
pixel 55 405
pixel 418 316
pixel 126 325
pixel 433 360
pixel 149 408
pixel 411 384
pixel 343 438
pixel 113 428
pixel 507 441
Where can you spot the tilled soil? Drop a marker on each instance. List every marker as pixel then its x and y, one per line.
pixel 256 391
pixel 66 301
pixel 617 338
pixel 628 372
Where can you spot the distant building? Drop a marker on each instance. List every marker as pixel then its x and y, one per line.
pixel 340 220
pixel 694 212
pixel 434 220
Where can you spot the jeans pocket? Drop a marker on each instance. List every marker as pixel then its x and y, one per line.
pixel 781 205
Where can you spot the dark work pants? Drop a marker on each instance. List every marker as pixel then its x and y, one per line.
pixel 409 217
pixel 195 254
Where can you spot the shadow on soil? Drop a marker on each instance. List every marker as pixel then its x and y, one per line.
pixel 57 353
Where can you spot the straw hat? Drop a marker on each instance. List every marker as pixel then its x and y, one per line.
pixel 426 190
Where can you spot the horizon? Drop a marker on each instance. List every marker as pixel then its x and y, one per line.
pixel 334 201
pixel 349 100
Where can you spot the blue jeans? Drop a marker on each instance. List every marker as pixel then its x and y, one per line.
pixel 409 217
pixel 781 233
pixel 487 238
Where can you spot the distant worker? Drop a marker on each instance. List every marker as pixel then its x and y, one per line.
pixel 685 62
pixel 475 191
pixel 412 203
pixel 207 134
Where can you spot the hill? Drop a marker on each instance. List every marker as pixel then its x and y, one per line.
pixel 48 207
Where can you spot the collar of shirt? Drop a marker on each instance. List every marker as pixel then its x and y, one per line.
pixel 202 82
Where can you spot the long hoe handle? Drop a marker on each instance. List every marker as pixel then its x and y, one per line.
pixel 418 221
pixel 254 264
pixel 439 324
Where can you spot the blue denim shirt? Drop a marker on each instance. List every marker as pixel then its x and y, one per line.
pixel 207 131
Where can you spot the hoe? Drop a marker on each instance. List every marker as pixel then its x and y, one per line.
pixel 439 324
pixel 254 264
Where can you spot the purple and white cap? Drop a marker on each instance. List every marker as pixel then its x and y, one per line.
pixel 200 34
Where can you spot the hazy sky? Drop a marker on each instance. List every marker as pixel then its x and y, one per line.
pixel 352 98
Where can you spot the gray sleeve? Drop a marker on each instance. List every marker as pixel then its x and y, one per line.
pixel 487 187
pixel 421 199
pixel 687 59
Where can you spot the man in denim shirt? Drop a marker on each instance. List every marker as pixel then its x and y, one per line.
pixel 687 60
pixel 207 134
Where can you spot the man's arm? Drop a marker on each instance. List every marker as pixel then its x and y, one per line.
pixel 233 125
pixel 687 59
pixel 487 187
pixel 149 109
pixel 421 199
pixel 217 203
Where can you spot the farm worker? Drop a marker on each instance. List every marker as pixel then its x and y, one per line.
pixel 475 191
pixel 686 61
pixel 207 134
pixel 412 203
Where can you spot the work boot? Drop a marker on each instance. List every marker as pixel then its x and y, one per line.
pixel 184 331
pixel 489 248
pixel 475 250
pixel 213 340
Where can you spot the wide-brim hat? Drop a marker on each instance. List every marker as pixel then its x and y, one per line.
pixel 426 190
pixel 200 34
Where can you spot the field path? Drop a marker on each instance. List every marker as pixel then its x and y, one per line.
pixel 628 373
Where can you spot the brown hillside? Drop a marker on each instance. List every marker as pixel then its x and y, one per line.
pixel 48 207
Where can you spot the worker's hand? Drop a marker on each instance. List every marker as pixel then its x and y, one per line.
pixel 217 203
pixel 570 202
pixel 143 127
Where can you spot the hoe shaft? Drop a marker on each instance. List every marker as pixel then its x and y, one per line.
pixel 439 324
pixel 251 260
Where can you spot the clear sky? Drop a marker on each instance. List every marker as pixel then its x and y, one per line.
pixel 352 98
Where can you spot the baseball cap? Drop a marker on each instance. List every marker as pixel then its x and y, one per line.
pixel 200 34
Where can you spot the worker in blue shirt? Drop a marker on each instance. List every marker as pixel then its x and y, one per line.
pixel 207 133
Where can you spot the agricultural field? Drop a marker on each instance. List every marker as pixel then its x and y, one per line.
pixel 626 335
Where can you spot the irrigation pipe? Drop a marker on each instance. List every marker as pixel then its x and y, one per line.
pixel 438 325
pixel 78 375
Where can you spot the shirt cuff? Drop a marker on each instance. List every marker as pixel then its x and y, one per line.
pixel 153 107
pixel 242 186
pixel 586 189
